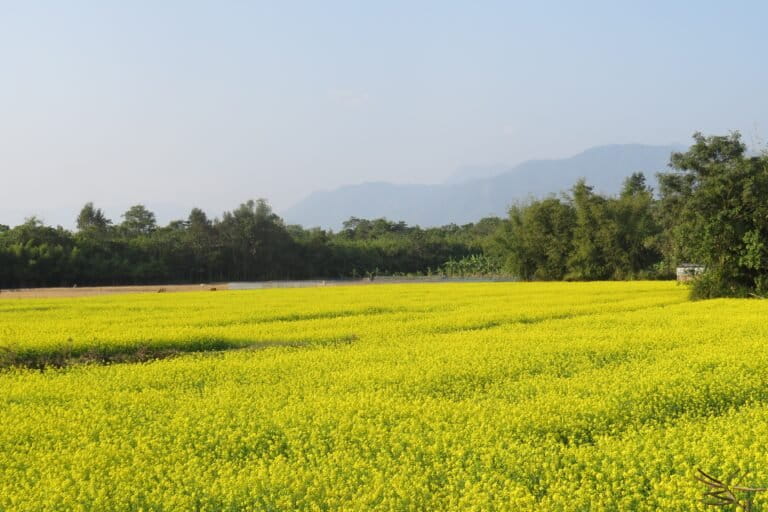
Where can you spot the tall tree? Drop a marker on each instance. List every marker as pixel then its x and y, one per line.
pixel 718 194
pixel 592 235
pixel 138 221
pixel 636 230
pixel 537 240
pixel 91 218
pixel 259 244
pixel 201 239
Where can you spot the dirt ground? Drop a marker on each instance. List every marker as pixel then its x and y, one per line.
pixel 87 291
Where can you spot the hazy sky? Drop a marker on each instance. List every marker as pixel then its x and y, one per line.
pixel 182 104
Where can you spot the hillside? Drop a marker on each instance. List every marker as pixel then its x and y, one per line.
pixel 464 198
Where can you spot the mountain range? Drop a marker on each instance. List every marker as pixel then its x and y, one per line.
pixel 474 192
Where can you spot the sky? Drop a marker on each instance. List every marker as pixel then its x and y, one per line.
pixel 181 104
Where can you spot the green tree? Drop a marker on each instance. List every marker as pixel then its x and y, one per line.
pixel 717 194
pixel 592 236
pixel 138 221
pixel 258 242
pixel 202 242
pixel 537 240
pixel 636 229
pixel 92 219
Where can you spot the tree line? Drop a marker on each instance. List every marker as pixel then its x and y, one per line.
pixel 248 243
pixel 711 208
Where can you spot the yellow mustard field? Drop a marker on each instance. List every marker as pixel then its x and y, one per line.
pixel 486 396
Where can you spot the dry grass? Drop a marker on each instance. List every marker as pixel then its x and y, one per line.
pixel 727 492
pixel 89 291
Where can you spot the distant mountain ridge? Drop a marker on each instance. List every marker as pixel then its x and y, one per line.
pixel 464 199
pixel 467 173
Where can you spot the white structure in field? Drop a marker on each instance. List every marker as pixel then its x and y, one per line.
pixel 688 271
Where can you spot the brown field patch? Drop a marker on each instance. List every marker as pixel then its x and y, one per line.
pixel 88 291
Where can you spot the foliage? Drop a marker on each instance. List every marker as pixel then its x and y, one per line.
pixel 138 221
pixel 711 211
pixel 590 259
pixel 583 235
pixel 92 219
pixel 537 240
pixel 249 243
pixel 476 265
pixel 717 215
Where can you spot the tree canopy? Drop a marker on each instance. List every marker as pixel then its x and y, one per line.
pixel 715 212
pixel 250 242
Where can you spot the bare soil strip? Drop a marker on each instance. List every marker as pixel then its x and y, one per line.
pixel 89 291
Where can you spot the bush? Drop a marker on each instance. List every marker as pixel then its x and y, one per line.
pixel 713 283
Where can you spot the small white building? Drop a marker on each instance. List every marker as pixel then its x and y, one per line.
pixel 688 271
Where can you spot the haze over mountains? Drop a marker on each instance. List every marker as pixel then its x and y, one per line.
pixel 474 192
